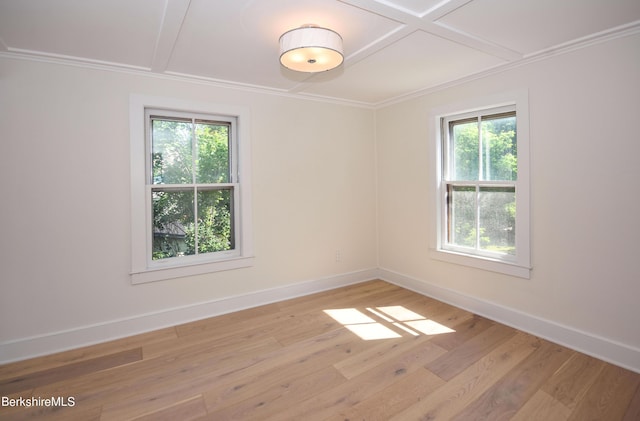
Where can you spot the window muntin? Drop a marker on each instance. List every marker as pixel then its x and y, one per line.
pixel 192 186
pixel 480 168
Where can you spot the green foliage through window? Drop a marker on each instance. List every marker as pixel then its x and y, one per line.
pixel 480 174
pixel 192 194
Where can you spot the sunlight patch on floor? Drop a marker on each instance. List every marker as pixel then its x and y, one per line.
pixel 405 321
pixel 372 331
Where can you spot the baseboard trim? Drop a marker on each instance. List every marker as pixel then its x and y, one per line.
pixel 34 346
pixel 599 347
pixel 605 349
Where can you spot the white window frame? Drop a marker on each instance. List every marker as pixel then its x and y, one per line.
pixel 143 268
pixel 520 264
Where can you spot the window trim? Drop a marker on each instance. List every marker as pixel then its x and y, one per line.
pixel 520 264
pixel 143 269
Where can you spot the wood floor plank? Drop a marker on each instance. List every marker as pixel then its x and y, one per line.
pixel 306 326
pixel 445 314
pixel 371 293
pixel 368 291
pixel 363 386
pixel 571 382
pixel 463 332
pixel 461 357
pixel 542 407
pixel 154 384
pixel 609 396
pixel 377 353
pixel 216 342
pixel 633 410
pixel 466 387
pixel 505 397
pixel 276 396
pixel 303 358
pixel 187 410
pixel 250 316
pixel 22 368
pixel 68 371
pixel 388 402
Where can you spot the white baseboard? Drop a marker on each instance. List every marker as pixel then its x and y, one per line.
pixel 605 349
pixel 608 350
pixel 49 343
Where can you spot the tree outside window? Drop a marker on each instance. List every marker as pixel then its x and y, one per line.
pixel 480 174
pixel 191 187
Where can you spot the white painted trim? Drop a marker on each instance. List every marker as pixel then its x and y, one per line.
pixel 34 346
pixel 480 262
pixel 521 265
pixel 15 54
pixel 144 270
pixel 597 346
pixel 173 17
pixel 622 31
pixel 625 30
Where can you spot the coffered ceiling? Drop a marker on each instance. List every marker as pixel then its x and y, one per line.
pixel 393 48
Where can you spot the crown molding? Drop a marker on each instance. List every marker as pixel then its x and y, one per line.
pixel 80 62
pixel 622 31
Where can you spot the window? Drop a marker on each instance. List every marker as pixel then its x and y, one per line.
pixel 190 189
pixel 482 189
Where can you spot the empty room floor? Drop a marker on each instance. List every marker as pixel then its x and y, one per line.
pixel 371 351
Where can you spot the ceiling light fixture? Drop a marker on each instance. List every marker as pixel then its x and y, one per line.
pixel 311 49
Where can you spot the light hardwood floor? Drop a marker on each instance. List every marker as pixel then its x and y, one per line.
pixel 295 361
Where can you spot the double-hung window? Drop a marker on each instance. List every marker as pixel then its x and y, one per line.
pixel 483 215
pixel 192 182
pixel 190 201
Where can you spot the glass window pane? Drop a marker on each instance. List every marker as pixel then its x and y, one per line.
pixel 213 153
pixel 172 222
pixel 465 150
pixel 215 224
pixel 462 215
pixel 172 155
pixel 498 219
pixel 499 152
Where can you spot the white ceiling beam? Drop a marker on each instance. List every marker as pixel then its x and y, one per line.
pixel 174 13
pixel 428 23
pixel 444 8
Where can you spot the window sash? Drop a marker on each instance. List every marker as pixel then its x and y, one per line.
pixel 450 241
pixel 152 114
pixel 448 182
pixel 195 188
pixel 446 127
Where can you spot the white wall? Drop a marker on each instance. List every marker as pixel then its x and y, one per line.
pixel 64 163
pixel 585 149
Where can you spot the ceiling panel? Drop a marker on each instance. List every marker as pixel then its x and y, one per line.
pixel 242 43
pixel 392 47
pixel 531 26
pixel 418 61
pixel 116 31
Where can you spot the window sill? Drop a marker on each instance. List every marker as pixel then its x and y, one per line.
pixel 483 263
pixel 161 274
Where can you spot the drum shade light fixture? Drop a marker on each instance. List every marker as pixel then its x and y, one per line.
pixel 311 49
